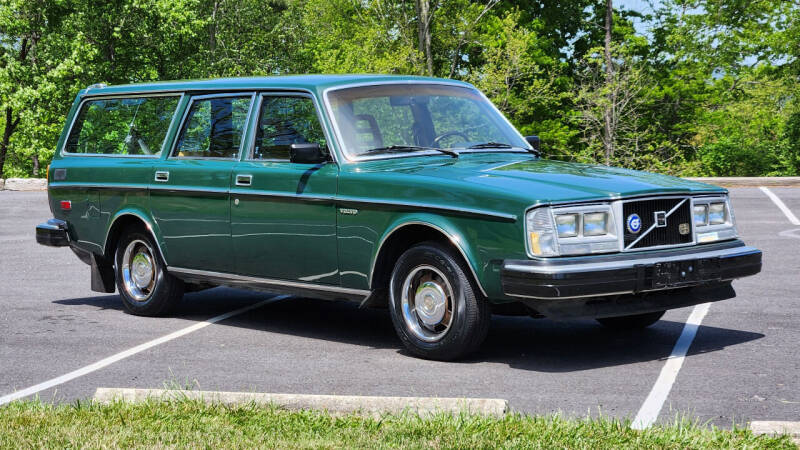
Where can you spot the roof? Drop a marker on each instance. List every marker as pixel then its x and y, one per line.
pixel 302 82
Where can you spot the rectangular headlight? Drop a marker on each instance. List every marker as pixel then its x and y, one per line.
pixel 716 213
pixel 571 230
pixel 713 220
pixel 595 224
pixel 700 214
pixel 567 225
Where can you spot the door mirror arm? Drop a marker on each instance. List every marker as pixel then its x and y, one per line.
pixel 535 143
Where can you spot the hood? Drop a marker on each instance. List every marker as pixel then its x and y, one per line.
pixel 537 180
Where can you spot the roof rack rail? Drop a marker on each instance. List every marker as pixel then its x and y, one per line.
pixel 97 86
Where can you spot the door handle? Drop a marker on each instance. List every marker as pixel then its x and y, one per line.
pixel 162 176
pixel 244 180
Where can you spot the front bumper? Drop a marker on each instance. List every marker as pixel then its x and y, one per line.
pixel 698 269
pixel 52 233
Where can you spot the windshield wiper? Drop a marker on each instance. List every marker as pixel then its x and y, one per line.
pixel 503 145
pixel 407 148
pixel 491 145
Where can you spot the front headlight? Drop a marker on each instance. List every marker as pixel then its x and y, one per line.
pixel 572 230
pixel 595 224
pixel 713 219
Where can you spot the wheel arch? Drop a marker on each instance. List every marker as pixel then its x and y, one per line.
pixel 409 231
pixel 124 219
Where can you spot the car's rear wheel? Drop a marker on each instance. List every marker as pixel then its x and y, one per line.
pixel 143 283
pixel 632 322
pixel 435 308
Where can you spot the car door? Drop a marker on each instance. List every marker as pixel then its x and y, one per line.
pixel 190 192
pixel 283 218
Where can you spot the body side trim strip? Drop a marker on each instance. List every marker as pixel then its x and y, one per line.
pixel 428 206
pixel 316 198
pixel 268 281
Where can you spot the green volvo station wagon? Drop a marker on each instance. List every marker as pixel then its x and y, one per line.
pixel 410 193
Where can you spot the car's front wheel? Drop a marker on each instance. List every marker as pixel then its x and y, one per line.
pixel 632 322
pixel 435 308
pixel 144 285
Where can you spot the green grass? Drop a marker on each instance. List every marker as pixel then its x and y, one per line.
pixel 194 424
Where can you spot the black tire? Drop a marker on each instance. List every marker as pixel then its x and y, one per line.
pixel 633 322
pixel 162 294
pixel 467 313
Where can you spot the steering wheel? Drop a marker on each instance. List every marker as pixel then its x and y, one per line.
pixel 448 134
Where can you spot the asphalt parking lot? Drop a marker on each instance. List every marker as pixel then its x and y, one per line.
pixel 742 365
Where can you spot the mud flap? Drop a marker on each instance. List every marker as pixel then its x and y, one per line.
pixel 102 275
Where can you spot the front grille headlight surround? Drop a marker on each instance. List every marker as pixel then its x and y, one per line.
pixel 719 223
pixel 571 230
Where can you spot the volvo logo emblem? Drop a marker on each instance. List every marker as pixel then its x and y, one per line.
pixel 634 223
pixel 683 228
pixel 660 218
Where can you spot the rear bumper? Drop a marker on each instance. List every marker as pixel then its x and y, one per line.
pixel 52 233
pixel 702 273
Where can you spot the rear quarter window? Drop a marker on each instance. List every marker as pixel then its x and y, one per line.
pixel 122 126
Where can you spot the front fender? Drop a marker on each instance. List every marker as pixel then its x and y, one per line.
pixel 443 225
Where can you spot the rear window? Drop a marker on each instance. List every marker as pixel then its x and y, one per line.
pixel 122 126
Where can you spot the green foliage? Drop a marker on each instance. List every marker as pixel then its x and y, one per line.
pixel 710 88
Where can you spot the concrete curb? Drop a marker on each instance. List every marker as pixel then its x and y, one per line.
pixel 23 184
pixel 777 428
pixel 748 181
pixel 334 404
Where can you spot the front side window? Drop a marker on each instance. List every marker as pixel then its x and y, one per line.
pixel 213 128
pixel 400 118
pixel 284 121
pixel 122 126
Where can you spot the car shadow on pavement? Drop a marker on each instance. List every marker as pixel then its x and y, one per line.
pixel 525 343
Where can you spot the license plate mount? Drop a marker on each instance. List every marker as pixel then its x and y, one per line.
pixel 684 273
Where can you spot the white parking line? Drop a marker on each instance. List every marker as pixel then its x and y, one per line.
pixel 782 206
pixel 652 405
pixel 130 352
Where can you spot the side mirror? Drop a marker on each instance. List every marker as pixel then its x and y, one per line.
pixel 307 154
pixel 535 142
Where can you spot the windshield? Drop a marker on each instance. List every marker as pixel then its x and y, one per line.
pixel 407 118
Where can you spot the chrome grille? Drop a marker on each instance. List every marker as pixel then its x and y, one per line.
pixel 678 211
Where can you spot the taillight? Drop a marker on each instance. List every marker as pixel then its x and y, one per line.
pixel 66 205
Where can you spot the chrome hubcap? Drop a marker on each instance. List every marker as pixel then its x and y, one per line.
pixel 427 303
pixel 142 270
pixel 138 271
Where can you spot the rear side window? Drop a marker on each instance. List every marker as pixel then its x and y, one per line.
pixel 122 126
pixel 284 121
pixel 213 128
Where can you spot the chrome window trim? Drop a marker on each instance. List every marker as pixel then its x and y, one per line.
pixel 269 281
pixel 340 140
pixel 179 131
pixel 63 153
pixel 248 156
pixel 452 239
